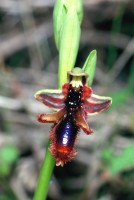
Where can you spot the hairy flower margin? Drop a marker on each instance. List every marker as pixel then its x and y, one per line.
pixel 73 104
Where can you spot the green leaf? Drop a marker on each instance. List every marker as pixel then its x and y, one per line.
pixel 90 65
pixel 5 168
pixel 123 161
pixel 9 154
pixel 59 14
pixel 80 10
pixel 106 154
pixel 69 44
pixel 60 11
pixel 79 7
pixel 4 197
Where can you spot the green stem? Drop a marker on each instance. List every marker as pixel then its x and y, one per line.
pixel 45 176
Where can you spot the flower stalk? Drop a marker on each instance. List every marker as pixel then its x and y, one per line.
pixel 67 18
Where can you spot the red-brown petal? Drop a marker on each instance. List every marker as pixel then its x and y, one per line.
pixel 96 104
pixel 51 98
pixel 65 88
pixel 52 117
pixel 81 122
pixel 87 91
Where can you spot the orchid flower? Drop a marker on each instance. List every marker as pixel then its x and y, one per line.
pixel 72 105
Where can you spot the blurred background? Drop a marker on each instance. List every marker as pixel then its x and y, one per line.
pixel 104 167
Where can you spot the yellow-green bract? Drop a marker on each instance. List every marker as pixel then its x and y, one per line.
pixel 90 66
pixel 69 43
pixel 60 11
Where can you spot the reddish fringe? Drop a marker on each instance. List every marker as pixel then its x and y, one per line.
pixel 61 157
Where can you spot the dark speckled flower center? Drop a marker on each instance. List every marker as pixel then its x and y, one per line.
pixel 73 100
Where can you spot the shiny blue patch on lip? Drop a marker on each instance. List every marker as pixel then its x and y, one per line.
pixel 66 131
